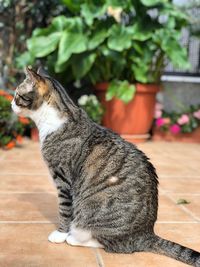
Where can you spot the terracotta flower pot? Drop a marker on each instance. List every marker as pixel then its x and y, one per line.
pixel 133 120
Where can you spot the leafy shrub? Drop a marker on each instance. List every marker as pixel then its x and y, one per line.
pixel 11 126
pixel 121 42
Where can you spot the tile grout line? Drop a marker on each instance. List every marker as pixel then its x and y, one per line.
pixel 178 222
pixel 98 257
pixel 179 177
pixel 163 191
pixel 28 222
pixel 180 194
pixel 26 192
pixel 184 209
pixel 24 174
pixel 21 160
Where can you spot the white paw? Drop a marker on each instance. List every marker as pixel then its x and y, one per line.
pixel 57 237
pixel 72 241
pixel 93 243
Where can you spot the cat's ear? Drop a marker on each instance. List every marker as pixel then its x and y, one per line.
pixel 42 72
pixel 37 80
pixel 33 76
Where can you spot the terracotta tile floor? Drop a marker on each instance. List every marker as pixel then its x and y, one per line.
pixel 28 210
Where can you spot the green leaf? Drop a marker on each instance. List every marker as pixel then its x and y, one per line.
pixel 173 11
pixel 169 42
pixel 61 67
pixel 153 2
pixel 97 37
pixel 140 73
pixel 90 11
pixel 43 45
pixel 120 3
pixel 178 57
pixel 182 201
pixel 138 32
pixel 138 48
pixel 73 5
pixel 75 24
pixel 60 23
pixel 111 91
pixel 120 37
pixel 81 64
pixel 43 31
pixel 142 68
pixel 71 43
pixel 122 90
pixel 126 92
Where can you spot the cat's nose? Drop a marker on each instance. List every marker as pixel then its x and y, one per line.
pixel 12 103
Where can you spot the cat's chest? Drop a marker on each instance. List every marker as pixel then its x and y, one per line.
pixel 52 155
pixel 57 156
pixel 61 152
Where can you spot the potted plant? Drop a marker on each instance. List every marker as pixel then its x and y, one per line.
pixel 121 48
pixel 11 126
pixel 181 126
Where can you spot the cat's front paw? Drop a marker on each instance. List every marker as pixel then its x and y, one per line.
pixel 57 237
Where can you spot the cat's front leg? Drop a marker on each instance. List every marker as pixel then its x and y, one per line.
pixel 65 215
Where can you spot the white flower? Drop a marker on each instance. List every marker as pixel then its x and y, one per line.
pixel 83 100
pixel 115 13
pixel 93 98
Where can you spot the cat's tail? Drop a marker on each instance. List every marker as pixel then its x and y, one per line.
pixel 173 250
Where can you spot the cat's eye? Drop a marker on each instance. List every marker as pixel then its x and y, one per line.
pixel 25 98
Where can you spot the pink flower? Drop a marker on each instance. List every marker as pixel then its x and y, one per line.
pixel 175 129
pixel 157 114
pixel 160 122
pixel 197 114
pixel 158 106
pixel 183 119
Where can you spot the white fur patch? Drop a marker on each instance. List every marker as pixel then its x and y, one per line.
pixel 113 179
pixel 92 243
pixel 80 234
pixel 57 237
pixel 16 108
pixel 47 120
pixel 81 237
pixel 45 117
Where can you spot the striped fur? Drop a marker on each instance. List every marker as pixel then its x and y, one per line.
pixel 106 186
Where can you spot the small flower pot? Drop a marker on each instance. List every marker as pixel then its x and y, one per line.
pixel 132 121
pixel 193 137
pixel 34 134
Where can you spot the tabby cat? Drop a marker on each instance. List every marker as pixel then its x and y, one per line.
pixel 107 188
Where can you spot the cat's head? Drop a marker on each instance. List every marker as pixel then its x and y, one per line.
pixel 39 90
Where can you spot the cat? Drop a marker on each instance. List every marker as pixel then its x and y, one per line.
pixel 107 188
